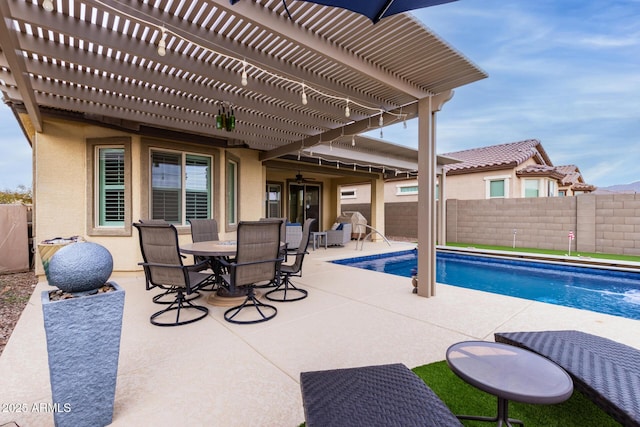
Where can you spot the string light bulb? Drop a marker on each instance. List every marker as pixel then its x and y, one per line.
pixel 47 5
pixel 162 44
pixel 244 73
pixel 347 110
pixel 353 140
pixel 304 96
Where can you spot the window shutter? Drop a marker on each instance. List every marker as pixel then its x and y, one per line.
pixel 111 185
pixel 197 180
pixel 166 183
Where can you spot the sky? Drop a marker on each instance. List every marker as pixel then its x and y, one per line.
pixel 565 72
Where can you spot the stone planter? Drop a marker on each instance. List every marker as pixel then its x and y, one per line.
pixel 83 344
pixel 83 323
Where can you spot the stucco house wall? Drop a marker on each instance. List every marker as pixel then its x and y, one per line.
pixel 63 187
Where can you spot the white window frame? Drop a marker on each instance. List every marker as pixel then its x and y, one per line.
pixel 354 194
pixel 487 186
pixel 412 192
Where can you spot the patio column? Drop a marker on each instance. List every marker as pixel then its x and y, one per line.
pixel 377 208
pixel 427 163
pixel 426 199
pixel 442 207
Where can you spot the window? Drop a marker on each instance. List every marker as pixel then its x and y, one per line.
pixel 180 186
pixel 232 192
pixel 197 179
pixel 497 187
pixel 348 193
pixel 562 193
pixel 111 187
pixel 274 197
pixel 531 188
pixel 551 188
pixel 406 189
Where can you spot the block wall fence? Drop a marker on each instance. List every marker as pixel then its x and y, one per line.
pixel 601 223
pixel 607 223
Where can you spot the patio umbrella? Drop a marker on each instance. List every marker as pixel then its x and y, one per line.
pixel 375 9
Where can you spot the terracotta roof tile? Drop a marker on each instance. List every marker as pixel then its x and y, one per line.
pixel 540 170
pixel 496 156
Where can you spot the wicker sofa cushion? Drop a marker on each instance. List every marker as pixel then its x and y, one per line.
pixel 384 395
pixel 606 371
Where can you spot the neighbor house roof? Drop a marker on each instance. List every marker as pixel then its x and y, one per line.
pixel 573 178
pixel 540 170
pixel 496 157
pixel 100 62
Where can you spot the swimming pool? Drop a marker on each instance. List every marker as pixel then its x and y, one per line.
pixel 595 289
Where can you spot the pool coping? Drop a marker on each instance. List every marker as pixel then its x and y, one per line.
pixel 577 261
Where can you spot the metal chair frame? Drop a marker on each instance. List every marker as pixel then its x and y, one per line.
pixel 170 274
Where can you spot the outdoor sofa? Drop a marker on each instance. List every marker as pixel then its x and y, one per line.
pixel 339 235
pixel 605 371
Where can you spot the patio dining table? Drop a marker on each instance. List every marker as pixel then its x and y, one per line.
pixel 216 249
pixel 226 295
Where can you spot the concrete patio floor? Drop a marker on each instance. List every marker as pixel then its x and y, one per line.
pixel 213 373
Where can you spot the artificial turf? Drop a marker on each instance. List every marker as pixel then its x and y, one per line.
pixel 462 398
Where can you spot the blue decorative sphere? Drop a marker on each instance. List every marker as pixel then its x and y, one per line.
pixel 80 267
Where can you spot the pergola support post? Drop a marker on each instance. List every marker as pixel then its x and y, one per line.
pixel 427 218
pixel 426 199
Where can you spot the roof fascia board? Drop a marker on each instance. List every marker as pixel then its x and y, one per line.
pixel 18 68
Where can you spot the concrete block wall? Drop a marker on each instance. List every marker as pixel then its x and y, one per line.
pixel 539 223
pixel 617 228
pixel 401 219
pixel 601 223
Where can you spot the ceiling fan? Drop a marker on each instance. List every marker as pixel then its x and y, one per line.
pixel 300 179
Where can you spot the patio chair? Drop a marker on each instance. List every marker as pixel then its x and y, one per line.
pixel 163 268
pixel 283 291
pixel 258 259
pixel 204 230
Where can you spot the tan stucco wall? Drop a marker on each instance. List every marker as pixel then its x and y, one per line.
pixel 62 199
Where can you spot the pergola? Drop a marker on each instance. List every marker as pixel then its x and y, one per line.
pixel 292 82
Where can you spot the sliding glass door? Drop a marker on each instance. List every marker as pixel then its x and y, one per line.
pixel 304 203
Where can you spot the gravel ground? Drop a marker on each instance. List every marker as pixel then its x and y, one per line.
pixel 15 291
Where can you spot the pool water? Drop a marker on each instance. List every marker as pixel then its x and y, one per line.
pixel 595 289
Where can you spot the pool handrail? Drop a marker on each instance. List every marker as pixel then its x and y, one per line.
pixel 373 230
